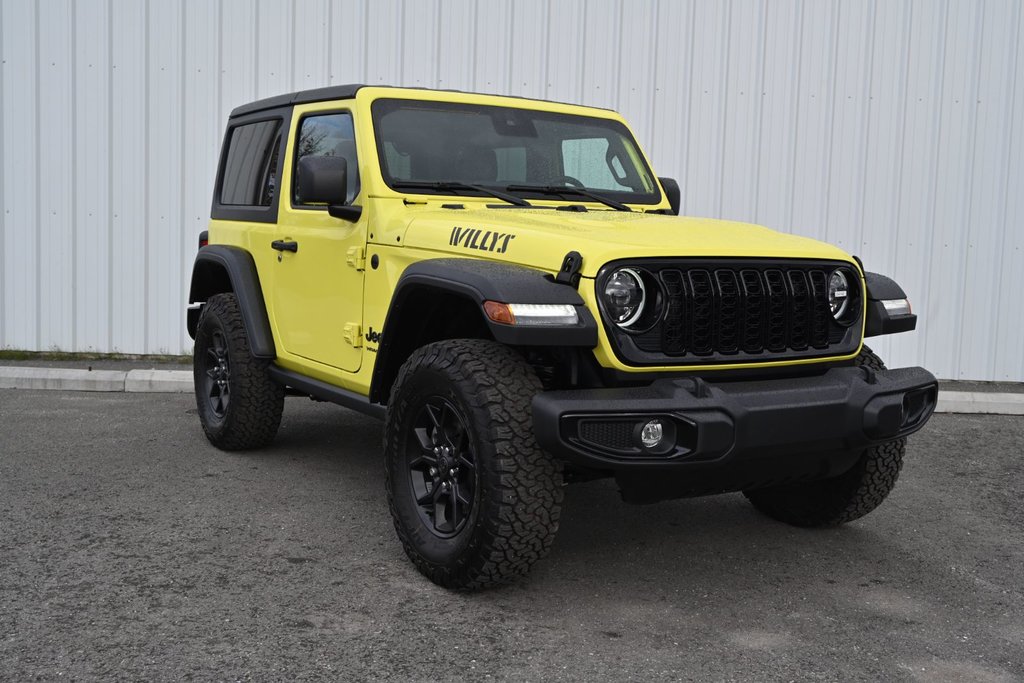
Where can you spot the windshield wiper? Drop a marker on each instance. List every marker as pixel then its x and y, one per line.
pixel 570 190
pixel 442 185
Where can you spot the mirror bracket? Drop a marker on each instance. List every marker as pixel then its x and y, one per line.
pixel 346 212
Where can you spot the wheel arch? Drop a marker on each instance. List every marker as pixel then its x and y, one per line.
pixel 879 321
pixel 221 269
pixel 455 289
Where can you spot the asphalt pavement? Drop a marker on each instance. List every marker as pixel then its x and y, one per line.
pixel 131 549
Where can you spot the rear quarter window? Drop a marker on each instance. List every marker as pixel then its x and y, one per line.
pixel 250 168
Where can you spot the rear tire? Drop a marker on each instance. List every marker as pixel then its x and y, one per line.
pixel 239 404
pixel 842 499
pixel 474 499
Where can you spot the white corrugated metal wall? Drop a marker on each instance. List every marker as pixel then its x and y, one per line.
pixel 892 128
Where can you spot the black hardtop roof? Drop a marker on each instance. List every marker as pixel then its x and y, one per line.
pixel 333 92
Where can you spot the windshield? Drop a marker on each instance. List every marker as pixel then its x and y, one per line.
pixel 508 148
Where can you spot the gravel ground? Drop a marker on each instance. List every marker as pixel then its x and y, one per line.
pixel 131 549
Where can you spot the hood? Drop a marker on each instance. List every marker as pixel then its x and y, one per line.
pixel 540 238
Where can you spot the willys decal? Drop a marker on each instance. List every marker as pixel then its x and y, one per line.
pixel 482 240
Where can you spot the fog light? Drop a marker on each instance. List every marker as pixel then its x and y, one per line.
pixel 652 434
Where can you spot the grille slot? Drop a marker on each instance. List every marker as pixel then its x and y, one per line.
pixel 617 435
pixel 673 331
pixel 743 311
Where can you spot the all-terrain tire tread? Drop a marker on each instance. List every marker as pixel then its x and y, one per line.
pixel 842 499
pixel 520 520
pixel 257 401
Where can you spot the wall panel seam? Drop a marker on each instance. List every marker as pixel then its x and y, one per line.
pixel 3 181
pixel 38 194
pixel 73 218
pixel 1004 209
pixel 934 171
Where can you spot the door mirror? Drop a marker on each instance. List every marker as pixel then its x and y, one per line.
pixel 671 193
pixel 324 180
pixel 321 180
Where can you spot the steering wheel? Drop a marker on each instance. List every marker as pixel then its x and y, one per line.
pixel 570 181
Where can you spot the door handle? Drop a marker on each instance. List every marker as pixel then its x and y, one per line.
pixel 281 245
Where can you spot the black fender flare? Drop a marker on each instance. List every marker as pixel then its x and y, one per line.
pixel 221 268
pixel 478 281
pixel 878 321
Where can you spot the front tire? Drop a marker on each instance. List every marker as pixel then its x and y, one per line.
pixel 474 499
pixel 838 500
pixel 239 404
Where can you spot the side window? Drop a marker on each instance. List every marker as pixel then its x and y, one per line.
pixel 250 170
pixel 329 135
pixel 588 161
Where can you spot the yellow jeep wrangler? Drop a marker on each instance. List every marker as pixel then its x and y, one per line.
pixel 507 284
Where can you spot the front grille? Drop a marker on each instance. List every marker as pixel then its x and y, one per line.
pixel 738 311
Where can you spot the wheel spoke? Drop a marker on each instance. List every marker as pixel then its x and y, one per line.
pixel 427 497
pixel 426 443
pixel 423 461
pixel 439 509
pixel 454 434
pixel 435 417
pixel 453 498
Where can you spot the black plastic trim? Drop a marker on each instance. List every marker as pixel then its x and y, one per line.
pixel 878 320
pixel 483 281
pixel 477 281
pixel 327 392
pixel 881 287
pixel 842 410
pixel 672 193
pixel 211 265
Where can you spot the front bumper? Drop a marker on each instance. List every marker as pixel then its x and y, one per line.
pixel 736 435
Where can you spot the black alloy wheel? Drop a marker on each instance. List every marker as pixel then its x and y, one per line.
pixel 217 385
pixel 442 468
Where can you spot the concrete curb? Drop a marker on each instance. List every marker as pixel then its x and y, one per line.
pixel 180 382
pixel 63 379
pixel 980 402
pixel 73 379
pixel 158 381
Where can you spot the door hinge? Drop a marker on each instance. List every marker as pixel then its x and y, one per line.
pixel 357 257
pixel 353 335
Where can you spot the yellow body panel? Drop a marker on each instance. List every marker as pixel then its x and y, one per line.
pixel 317 294
pixel 312 295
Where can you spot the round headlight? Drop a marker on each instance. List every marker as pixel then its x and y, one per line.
pixel 623 296
pixel 838 294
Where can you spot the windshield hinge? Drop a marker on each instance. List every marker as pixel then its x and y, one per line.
pixel 569 273
pixel 357 257
pixel 353 335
